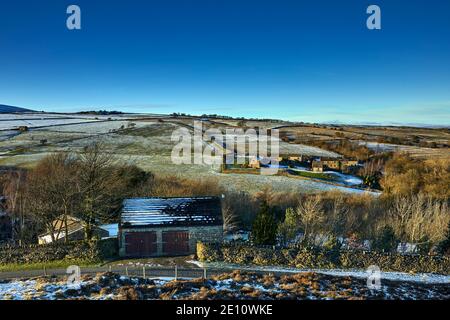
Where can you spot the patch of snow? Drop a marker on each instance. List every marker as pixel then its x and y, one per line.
pixel 346 178
pixel 197 263
pixel 387 275
pixel 16 290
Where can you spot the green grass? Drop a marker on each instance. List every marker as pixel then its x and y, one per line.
pixel 59 264
pixel 18 151
pixel 149 131
pixel 315 175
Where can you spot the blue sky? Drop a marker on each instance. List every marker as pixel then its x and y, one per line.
pixel 311 61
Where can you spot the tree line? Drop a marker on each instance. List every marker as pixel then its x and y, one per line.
pixel 89 185
pixel 92 184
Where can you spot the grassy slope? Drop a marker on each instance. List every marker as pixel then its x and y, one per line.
pixel 48 265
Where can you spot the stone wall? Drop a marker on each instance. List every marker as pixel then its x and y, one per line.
pixel 311 258
pixel 196 234
pixel 94 251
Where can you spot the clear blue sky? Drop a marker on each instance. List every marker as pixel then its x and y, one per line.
pixel 295 60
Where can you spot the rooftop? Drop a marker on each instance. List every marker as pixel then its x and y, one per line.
pixel 153 212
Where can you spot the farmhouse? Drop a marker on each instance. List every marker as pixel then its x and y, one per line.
pixel 338 165
pixel 332 164
pixel 317 166
pixel 290 157
pixel 168 226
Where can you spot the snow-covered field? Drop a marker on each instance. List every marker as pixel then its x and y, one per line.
pixel 32 123
pixel 149 147
pixel 253 182
pixel 41 115
pixel 417 152
pixel 284 147
pixel 99 127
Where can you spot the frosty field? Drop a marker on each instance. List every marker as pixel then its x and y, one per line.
pixel 140 140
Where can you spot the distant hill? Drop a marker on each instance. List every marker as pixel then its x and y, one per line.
pixel 10 109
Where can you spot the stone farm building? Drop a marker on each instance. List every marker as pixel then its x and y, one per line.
pixel 168 226
pixel 333 164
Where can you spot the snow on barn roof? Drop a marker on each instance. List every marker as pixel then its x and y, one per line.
pixel 148 212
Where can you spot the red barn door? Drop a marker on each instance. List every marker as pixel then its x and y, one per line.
pixel 140 244
pixel 175 242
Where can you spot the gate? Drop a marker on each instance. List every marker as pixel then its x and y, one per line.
pixel 175 242
pixel 140 244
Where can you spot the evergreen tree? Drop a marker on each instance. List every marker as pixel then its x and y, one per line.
pixel 386 241
pixel 264 226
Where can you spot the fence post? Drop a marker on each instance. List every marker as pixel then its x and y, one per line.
pixel 109 268
pixel 45 271
pixel 143 272
pixel 176 272
pixel 204 273
pixel 126 271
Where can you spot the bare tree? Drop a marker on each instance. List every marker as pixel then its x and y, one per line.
pixel 230 218
pixel 419 219
pixel 311 216
pixel 99 186
pixel 64 174
pixel 13 189
pixel 308 217
pixel 41 200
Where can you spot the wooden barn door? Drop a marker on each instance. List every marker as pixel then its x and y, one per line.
pixel 140 244
pixel 175 242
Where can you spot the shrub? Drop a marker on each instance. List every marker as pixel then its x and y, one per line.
pixel 386 241
pixel 88 251
pixel 264 227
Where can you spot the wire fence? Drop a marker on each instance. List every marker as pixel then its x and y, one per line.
pixel 131 271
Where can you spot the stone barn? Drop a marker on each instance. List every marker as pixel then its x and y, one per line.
pixel 152 227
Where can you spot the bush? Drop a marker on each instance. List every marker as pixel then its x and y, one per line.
pixel 386 241
pixel 92 251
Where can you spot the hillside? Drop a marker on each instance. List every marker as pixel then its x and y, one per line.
pixel 10 109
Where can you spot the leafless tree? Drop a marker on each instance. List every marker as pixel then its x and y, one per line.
pixel 13 189
pixel 98 185
pixel 419 218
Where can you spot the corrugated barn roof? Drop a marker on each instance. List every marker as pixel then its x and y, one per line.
pixel 153 212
